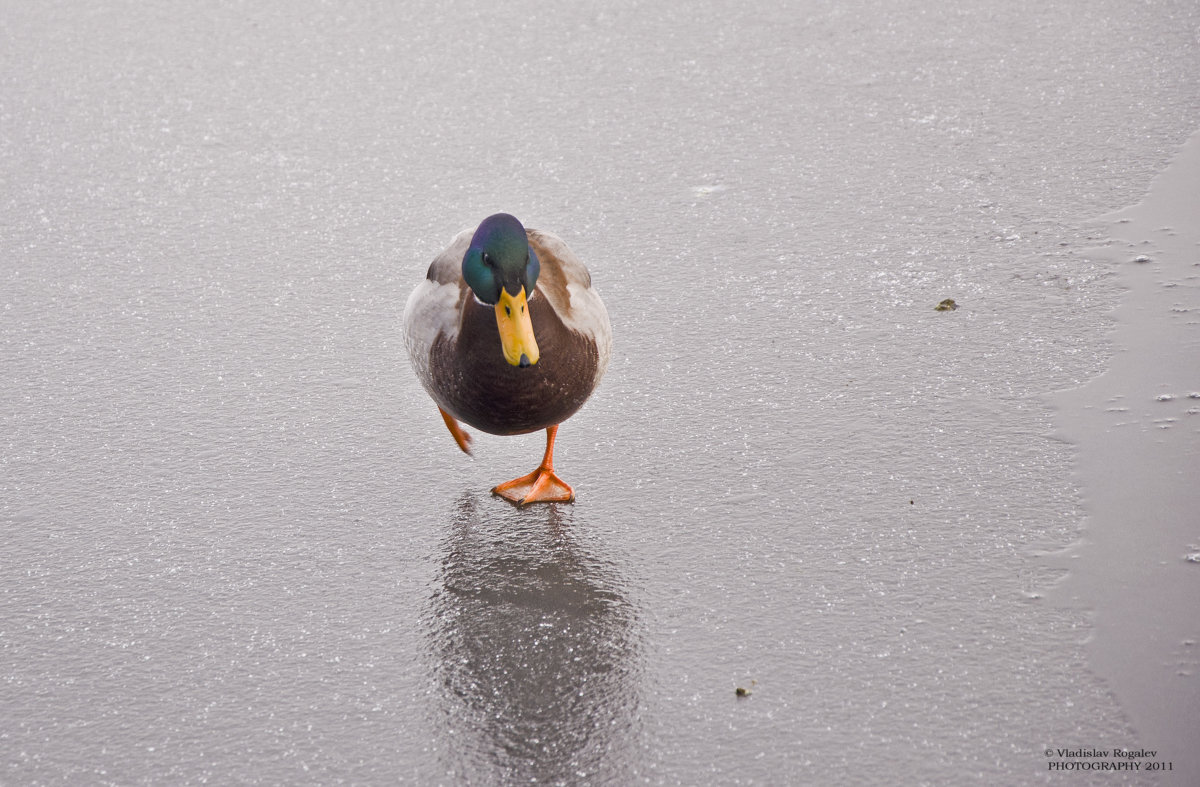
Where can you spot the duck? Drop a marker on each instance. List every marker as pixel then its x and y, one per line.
pixel 507 334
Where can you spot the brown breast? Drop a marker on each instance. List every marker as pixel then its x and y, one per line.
pixel 473 382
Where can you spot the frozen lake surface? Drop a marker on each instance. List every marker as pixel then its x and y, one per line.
pixel 239 545
pixel 1138 428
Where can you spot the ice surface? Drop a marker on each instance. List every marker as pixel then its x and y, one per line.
pixel 1140 465
pixel 239 545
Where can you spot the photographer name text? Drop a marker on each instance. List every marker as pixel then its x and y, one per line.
pixel 1115 759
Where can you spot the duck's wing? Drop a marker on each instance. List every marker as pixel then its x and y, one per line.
pixel 567 285
pixel 435 306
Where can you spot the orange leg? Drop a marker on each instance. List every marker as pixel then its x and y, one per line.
pixel 462 438
pixel 542 485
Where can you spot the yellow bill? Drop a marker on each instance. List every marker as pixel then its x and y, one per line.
pixel 516 329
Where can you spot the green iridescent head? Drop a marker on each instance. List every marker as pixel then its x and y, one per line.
pixel 500 258
pixel 501 268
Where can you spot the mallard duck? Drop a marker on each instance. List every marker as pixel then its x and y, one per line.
pixel 507 335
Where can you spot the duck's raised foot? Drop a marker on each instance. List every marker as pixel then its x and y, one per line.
pixel 541 486
pixel 461 437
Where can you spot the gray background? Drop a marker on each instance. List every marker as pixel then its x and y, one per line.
pixel 240 547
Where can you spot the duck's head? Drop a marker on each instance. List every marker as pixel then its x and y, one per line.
pixel 501 269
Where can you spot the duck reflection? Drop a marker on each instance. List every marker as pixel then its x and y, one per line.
pixel 536 651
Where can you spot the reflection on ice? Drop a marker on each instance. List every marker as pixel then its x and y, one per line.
pixel 535 648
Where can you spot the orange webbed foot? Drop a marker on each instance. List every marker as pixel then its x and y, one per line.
pixel 541 486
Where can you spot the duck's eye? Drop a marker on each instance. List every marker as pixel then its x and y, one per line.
pixel 487 260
